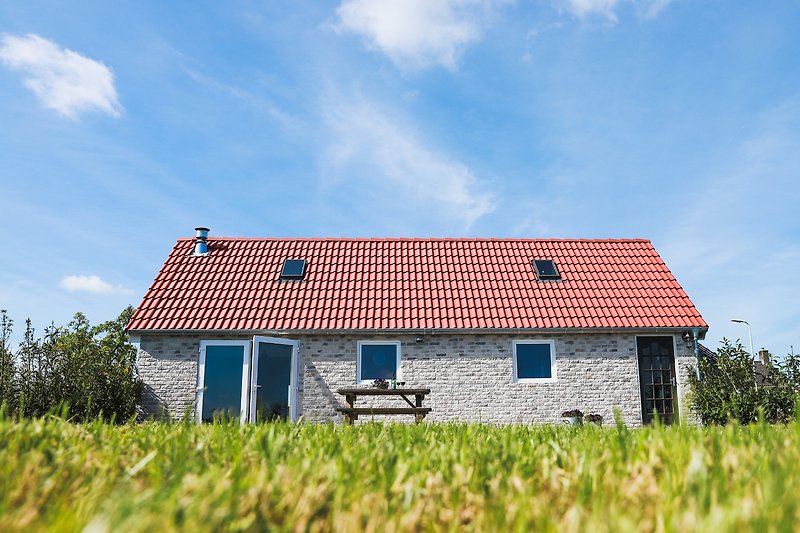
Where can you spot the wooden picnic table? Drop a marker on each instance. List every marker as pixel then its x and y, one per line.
pixel 351 412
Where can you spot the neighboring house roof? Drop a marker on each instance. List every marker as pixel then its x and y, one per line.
pixel 414 284
pixel 706 352
pixel 761 372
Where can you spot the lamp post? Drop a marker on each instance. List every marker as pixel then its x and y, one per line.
pixel 749 334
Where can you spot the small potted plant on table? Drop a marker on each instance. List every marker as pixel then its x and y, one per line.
pixel 595 419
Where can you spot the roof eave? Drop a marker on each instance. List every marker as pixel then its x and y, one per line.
pixel 416 331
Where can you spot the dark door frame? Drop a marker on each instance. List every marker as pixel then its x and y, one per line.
pixel 676 403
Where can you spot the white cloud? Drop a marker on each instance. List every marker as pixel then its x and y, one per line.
pixel 392 160
pixel 63 80
pixel 91 283
pixel 417 33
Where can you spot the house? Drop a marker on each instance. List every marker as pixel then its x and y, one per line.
pixel 500 330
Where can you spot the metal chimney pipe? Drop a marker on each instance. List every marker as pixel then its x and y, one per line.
pixel 200 244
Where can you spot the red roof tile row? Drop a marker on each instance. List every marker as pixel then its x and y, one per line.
pixel 414 284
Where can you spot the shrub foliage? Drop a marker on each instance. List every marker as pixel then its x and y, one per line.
pixel 728 387
pixel 80 370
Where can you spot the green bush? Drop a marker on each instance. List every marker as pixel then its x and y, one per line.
pixel 81 371
pixel 8 392
pixel 727 387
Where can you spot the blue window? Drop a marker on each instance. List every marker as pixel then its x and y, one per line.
pixel 293 269
pixel 546 269
pixel 534 361
pixel 378 360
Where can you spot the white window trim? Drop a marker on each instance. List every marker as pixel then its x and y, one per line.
pixel 398 375
pixel 552 344
pixel 201 375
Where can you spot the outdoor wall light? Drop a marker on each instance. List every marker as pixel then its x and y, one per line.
pixel 418 340
pixel 687 338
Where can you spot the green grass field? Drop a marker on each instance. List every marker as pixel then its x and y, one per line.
pixel 296 477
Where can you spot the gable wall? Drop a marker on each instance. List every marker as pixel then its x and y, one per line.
pixel 470 376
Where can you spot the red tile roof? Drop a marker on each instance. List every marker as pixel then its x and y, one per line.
pixel 414 284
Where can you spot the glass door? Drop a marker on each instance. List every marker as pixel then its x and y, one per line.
pixel 274 379
pixel 223 376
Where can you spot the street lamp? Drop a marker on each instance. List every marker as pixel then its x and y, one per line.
pixel 749 333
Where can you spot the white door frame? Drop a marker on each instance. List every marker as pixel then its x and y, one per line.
pixel 293 377
pixel 201 376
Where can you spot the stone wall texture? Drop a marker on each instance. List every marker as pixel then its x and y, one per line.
pixel 470 376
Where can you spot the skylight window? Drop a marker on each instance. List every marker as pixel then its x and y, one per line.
pixel 546 269
pixel 293 269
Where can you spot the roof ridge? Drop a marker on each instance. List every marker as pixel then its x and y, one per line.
pixel 416 239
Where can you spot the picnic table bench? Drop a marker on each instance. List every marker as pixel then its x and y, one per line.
pixel 351 412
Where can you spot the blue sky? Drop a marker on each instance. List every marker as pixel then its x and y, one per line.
pixel 125 126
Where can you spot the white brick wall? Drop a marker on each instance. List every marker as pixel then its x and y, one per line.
pixel 470 376
pixel 168 367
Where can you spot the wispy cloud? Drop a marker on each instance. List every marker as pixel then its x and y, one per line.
pixel 736 239
pixel 652 8
pixel 607 8
pixel 392 159
pixel 91 283
pixel 417 33
pixel 63 80
pixel 258 102
pixel 585 8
